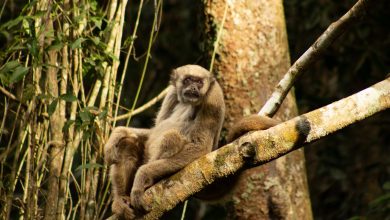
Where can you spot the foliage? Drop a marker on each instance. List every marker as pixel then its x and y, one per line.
pixel 58 68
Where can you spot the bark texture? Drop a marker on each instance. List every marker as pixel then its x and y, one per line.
pixel 251 58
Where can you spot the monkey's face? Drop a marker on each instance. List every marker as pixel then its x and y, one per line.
pixel 192 83
pixel 193 89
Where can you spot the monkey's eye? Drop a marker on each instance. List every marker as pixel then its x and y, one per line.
pixel 187 81
pixel 200 83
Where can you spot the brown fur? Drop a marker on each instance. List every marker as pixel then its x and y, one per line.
pixel 250 123
pixel 185 129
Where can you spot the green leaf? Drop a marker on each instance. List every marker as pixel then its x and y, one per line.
pixel 97 21
pixel 13 22
pixel 384 199
pixel 52 107
pixel 18 74
pixel 26 26
pixel 33 47
pixel 40 13
pixel 93 5
pixel 77 43
pixel 17 48
pixel 89 166
pixel 87 133
pixel 103 114
pixel 67 125
pixel 128 41
pixel 85 116
pixel 28 92
pixel 4 78
pixel 9 66
pixel 68 97
pixel 56 46
pixel 44 96
pixel 95 40
pixel 112 56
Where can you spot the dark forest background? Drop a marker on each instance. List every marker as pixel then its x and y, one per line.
pixel 348 172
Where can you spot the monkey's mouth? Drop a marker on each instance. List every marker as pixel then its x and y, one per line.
pixel 191 94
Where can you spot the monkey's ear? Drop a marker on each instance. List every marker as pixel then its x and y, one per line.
pixel 212 79
pixel 173 77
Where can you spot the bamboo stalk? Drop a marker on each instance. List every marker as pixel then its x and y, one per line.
pixel 129 51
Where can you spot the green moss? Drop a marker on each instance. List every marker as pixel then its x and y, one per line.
pixel 221 158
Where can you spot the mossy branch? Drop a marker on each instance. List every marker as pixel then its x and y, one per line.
pixel 260 147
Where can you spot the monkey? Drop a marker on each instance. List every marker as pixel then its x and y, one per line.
pixel 123 152
pixel 187 126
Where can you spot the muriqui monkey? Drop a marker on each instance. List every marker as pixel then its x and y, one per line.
pixel 187 126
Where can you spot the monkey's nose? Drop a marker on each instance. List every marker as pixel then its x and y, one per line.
pixel 192 93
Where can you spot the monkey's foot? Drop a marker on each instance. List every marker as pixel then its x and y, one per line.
pixel 137 201
pixel 121 207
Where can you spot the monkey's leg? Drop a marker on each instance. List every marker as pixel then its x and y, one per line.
pixel 153 171
pixel 122 175
pixel 171 144
pixel 134 135
pixel 126 151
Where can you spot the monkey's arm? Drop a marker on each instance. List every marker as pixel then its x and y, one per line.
pixel 150 173
pixel 167 105
pixel 214 114
pixel 250 123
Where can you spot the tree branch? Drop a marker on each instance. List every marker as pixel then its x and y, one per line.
pixel 260 147
pixel 143 107
pixel 312 54
pixel 8 94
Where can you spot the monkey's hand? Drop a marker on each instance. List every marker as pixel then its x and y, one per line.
pixel 137 201
pixel 142 181
pixel 121 207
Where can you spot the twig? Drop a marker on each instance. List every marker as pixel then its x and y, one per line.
pixel 261 147
pixel 148 55
pixel 129 51
pixel 8 94
pixel 312 54
pixel 143 107
pixel 219 34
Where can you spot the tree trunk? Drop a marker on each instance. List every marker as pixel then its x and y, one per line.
pixel 252 51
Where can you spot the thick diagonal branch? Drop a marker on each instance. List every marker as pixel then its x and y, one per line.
pixel 261 147
pixel 316 50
